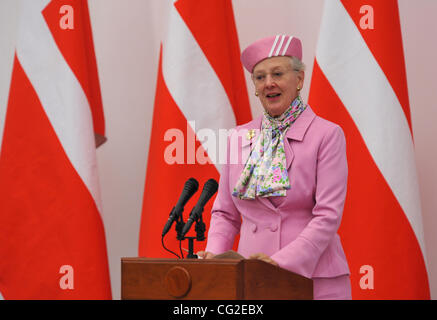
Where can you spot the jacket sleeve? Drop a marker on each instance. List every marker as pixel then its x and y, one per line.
pixel 302 255
pixel 225 219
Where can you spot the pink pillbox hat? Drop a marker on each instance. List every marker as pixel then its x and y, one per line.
pixel 280 45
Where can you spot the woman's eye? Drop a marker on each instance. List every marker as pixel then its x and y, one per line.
pixel 259 77
pixel 278 74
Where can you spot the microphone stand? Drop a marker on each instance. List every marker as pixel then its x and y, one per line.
pixel 200 235
pixel 179 226
pixel 191 254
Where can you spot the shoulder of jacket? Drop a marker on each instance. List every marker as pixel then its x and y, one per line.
pixel 325 125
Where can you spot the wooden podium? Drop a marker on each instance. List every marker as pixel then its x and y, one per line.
pixel 210 279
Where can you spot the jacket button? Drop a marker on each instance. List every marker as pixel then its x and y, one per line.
pixel 254 227
pixel 274 227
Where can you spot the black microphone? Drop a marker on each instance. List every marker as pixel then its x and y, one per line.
pixel 190 188
pixel 209 189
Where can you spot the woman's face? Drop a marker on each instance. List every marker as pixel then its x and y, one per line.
pixel 276 83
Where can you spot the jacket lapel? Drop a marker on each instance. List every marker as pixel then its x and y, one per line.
pixel 297 133
pixel 249 134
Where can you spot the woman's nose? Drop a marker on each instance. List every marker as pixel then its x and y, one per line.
pixel 269 81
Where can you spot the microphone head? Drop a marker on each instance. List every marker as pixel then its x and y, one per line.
pixel 191 186
pixel 209 189
pixel 211 185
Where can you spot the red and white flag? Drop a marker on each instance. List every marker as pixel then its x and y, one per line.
pixel 200 89
pixel 51 232
pixel 359 82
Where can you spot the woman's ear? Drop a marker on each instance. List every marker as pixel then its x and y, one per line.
pixel 300 78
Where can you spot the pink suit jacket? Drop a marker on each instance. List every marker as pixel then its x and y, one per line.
pixel 300 234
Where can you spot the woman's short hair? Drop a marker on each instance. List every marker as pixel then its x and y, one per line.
pixel 297 65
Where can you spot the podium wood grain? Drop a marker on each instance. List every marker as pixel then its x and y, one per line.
pixel 211 279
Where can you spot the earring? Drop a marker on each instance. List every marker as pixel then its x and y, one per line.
pixel 298 88
pixel 256 93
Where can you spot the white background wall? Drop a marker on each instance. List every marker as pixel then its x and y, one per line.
pixel 127 35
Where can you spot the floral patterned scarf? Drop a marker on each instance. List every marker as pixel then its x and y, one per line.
pixel 265 173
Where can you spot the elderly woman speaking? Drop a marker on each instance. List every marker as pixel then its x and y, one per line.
pixel 286 199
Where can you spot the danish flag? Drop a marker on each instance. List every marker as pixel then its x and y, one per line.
pixel 359 82
pixel 50 208
pixel 201 82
